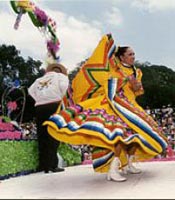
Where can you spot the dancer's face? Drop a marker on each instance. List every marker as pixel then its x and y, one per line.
pixel 128 57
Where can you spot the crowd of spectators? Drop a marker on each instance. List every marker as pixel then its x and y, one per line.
pixel 165 117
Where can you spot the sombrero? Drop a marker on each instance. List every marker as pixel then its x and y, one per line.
pixel 51 67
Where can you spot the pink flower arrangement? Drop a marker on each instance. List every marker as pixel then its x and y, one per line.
pixel 8 131
pixel 12 105
pixel 41 16
pixel 52 46
pixel 6 127
pixel 8 135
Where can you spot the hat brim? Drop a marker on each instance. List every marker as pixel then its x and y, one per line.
pixel 62 69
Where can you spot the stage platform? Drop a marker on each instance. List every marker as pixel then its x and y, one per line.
pixel 157 181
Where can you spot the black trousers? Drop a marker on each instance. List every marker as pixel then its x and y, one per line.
pixel 47 145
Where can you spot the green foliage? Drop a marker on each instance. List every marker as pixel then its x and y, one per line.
pixel 17 156
pixel 69 155
pixel 5 118
pixel 159 86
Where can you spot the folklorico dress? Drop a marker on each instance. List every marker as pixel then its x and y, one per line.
pixel 100 109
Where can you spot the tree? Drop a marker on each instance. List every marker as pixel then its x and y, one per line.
pixel 13 66
pixel 15 70
pixel 159 85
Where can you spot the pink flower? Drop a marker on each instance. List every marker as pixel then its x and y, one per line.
pixel 12 105
pixel 53 46
pixel 8 135
pixel 6 126
pixel 17 134
pixel 41 16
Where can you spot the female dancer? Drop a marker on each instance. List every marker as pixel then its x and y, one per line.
pixel 100 109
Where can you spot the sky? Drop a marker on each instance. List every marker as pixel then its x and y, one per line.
pixel 145 25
